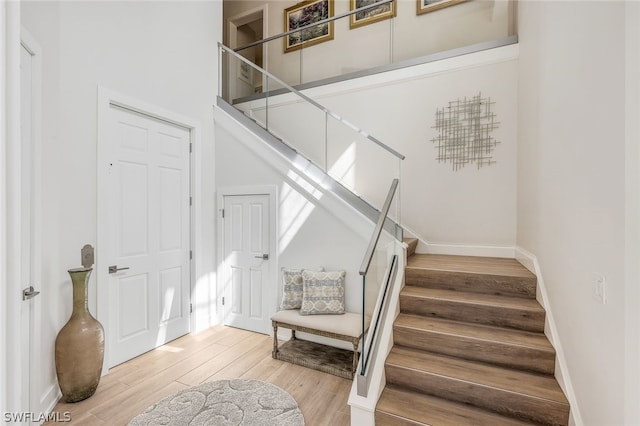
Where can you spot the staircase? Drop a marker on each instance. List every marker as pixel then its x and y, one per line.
pixel 469 347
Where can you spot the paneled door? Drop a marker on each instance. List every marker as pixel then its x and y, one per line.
pixel 246 248
pixel 37 379
pixel 148 248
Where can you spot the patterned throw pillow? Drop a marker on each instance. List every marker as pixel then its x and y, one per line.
pixel 291 289
pixel 323 292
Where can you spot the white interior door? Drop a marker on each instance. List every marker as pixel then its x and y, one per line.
pixel 247 289
pixel 39 385
pixel 26 216
pixel 148 250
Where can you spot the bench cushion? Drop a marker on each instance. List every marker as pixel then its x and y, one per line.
pixel 347 324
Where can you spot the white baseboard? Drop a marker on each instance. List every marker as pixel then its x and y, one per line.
pixel 459 249
pixel 466 250
pixel 51 398
pixel 530 261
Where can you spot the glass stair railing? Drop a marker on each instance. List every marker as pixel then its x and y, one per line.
pixel 329 144
pixel 345 160
pixel 339 155
pixel 378 271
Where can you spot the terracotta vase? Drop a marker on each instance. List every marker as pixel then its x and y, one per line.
pixel 79 345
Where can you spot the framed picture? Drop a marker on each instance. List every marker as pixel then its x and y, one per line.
pixel 369 16
pixel 425 6
pixel 302 15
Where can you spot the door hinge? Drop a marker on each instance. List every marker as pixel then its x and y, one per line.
pixel 222 300
pixel 190 201
pixel 190 254
pixel 222 213
pixel 190 308
pixel 190 147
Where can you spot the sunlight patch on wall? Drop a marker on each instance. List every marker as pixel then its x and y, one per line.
pixel 294 210
pixel 344 168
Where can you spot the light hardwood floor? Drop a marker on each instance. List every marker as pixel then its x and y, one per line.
pixel 217 353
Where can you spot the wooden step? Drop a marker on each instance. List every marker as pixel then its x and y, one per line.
pixel 413 244
pixel 505 347
pixel 398 406
pixel 502 311
pixel 528 396
pixel 474 274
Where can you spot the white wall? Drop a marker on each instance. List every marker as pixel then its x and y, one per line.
pixel 571 191
pixel 632 219
pixel 470 207
pixel 406 37
pixel 161 53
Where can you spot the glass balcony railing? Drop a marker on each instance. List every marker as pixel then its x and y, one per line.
pixel 358 161
pixel 320 44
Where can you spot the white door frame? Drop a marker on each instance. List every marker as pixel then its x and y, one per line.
pixel 11 365
pixel 272 273
pixel 232 36
pixel 107 98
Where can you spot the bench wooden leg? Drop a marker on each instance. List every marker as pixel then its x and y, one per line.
pixel 274 353
pixel 355 356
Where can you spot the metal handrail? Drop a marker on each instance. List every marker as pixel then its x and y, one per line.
pixel 315 24
pixel 368 255
pixel 312 102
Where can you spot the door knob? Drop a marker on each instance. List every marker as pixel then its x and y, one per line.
pixel 262 256
pixel 114 268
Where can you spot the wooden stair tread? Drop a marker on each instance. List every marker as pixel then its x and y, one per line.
pixel 420 409
pixel 475 331
pixel 470 264
pixel 532 385
pixel 473 298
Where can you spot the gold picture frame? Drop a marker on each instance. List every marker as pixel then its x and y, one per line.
pixel 425 6
pixel 303 14
pixel 369 16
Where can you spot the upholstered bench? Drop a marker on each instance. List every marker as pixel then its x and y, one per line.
pixel 340 362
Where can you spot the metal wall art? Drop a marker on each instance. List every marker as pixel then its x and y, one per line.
pixel 464 132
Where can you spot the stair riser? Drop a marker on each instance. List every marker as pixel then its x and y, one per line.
pixel 385 419
pixel 497 400
pixel 479 314
pixel 512 356
pixel 475 283
pixel 412 245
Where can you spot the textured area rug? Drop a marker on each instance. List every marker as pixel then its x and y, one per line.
pixel 225 402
